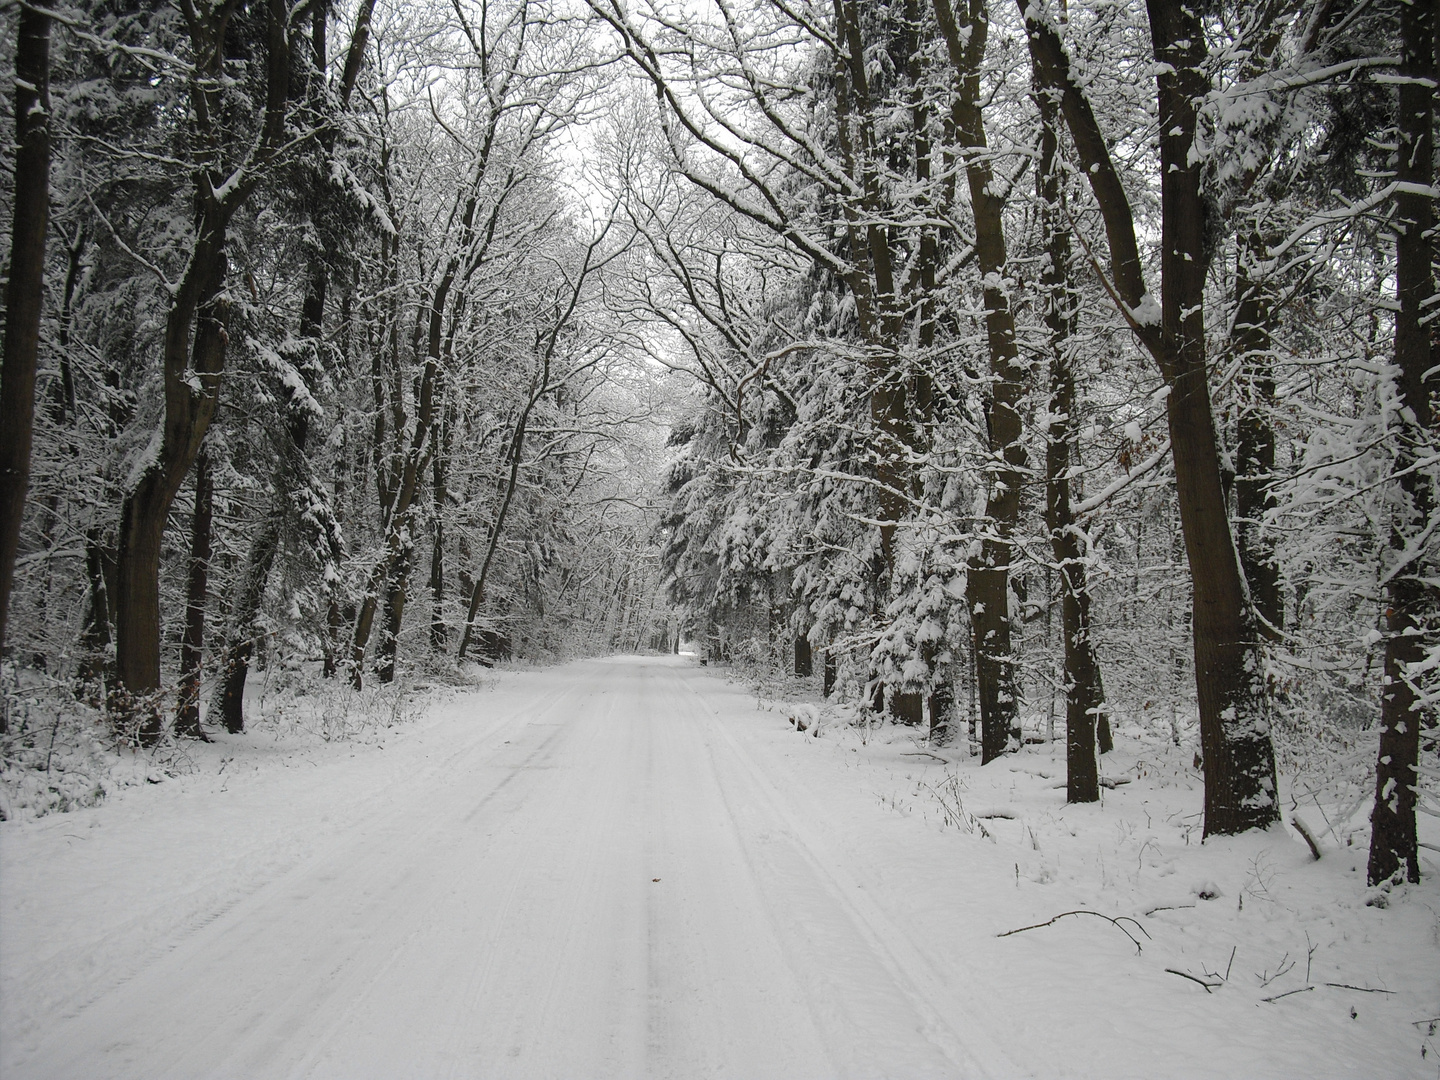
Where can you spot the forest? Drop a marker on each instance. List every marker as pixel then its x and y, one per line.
pixel 1019 371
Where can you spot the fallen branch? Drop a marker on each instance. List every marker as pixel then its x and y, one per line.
pixel 1209 986
pixel 1169 907
pixel 1287 993
pixel 1362 989
pixel 924 753
pixel 1309 837
pixel 1113 922
pixel 1112 784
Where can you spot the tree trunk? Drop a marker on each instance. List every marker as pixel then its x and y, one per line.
pixel 804 664
pixel 507 494
pixel 388 651
pixel 95 635
pixel 244 629
pixel 989 575
pixel 192 384
pixel 1240 790
pixel 24 293
pixel 1240 787
pixel 1084 691
pixel 1255 441
pixel 1410 602
pixel 439 631
pixel 192 648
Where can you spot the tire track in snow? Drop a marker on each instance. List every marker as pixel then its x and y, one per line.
pixel 268 901
pixel 794 855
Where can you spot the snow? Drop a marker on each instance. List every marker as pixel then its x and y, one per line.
pixel 633 867
pixel 1147 312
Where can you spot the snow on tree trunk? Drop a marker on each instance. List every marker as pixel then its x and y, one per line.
pixel 24 292
pixel 1410 600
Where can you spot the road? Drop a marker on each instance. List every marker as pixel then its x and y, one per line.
pixel 606 878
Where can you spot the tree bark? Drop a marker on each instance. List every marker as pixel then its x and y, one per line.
pixel 989 574
pixel 1240 785
pixel 1410 602
pixel 1240 791
pixel 244 628
pixel 804 664
pixel 1255 432
pixel 189 407
pixel 192 647
pixel 388 651
pixel 1084 690
pixel 24 293
pixel 95 630
pixel 191 369
pixel 507 495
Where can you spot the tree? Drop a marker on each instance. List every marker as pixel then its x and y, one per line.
pixel 1409 596
pixel 1240 788
pixel 989 574
pixel 195 338
pixel 25 288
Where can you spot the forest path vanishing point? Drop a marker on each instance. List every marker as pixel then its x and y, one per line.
pixel 606 877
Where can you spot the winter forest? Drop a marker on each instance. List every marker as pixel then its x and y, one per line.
pixel 1017 373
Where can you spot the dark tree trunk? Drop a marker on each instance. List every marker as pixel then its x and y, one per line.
pixel 830 674
pixel 290 475
pixel 439 631
pixel 1240 790
pixel 395 594
pixel 95 631
pixel 1410 603
pixel 24 293
pixel 989 575
pixel 507 495
pixel 804 664
pixel 244 625
pixel 908 708
pixel 192 383
pixel 1240 786
pixel 1084 691
pixel 192 647
pixel 1255 434
pixel 942 710
pixel 191 368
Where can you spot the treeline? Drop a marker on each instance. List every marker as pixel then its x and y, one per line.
pixel 306 355
pixel 1061 357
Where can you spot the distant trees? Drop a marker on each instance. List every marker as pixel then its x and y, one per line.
pixel 298 297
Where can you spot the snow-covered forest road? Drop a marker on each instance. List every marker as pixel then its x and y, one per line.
pixel 603 881
pixel 635 868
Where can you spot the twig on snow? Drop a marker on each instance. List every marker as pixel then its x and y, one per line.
pixel 1169 907
pixel 924 753
pixel 1209 986
pixel 1113 922
pixel 1363 989
pixel 1287 993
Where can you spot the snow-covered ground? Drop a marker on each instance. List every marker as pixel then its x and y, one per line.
pixel 626 868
